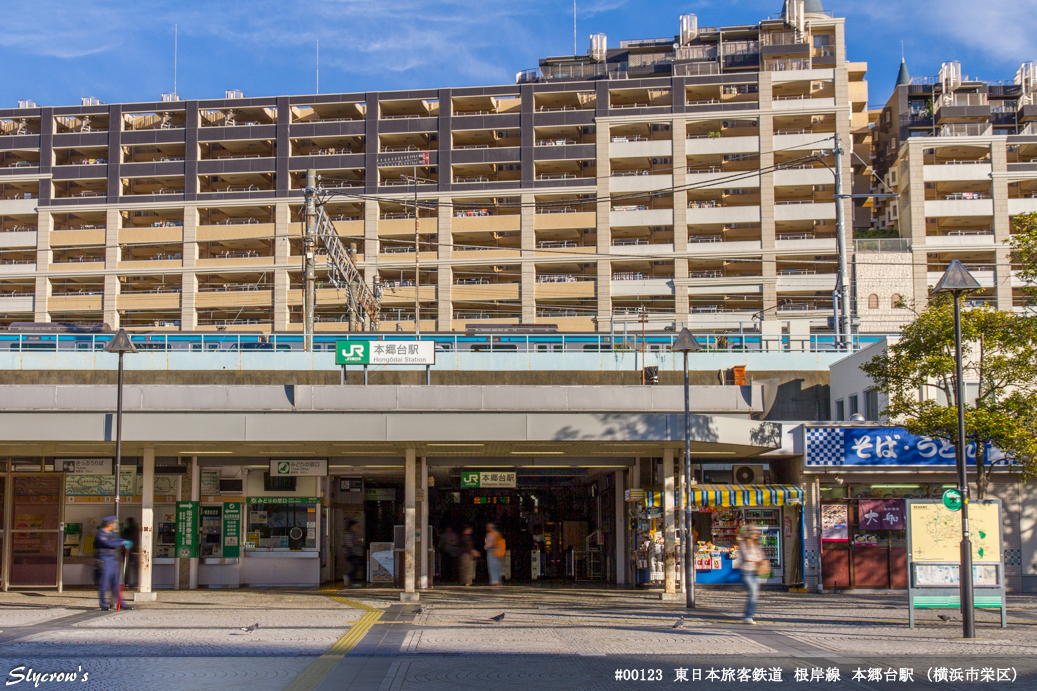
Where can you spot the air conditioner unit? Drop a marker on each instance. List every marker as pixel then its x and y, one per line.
pixel 747 474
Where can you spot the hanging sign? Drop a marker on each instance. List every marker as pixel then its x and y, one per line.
pixel 385 352
pixel 232 529
pixel 87 466
pixel 308 467
pixel 479 480
pixel 186 529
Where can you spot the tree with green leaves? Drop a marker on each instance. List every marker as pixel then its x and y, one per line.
pixel 999 350
pixel 1024 252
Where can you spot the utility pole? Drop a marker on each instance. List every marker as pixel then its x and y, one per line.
pixel 840 242
pixel 309 242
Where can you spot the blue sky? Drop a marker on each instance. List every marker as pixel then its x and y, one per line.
pixel 55 52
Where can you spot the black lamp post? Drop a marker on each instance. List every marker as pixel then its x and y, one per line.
pixel 120 344
pixel 686 343
pixel 957 280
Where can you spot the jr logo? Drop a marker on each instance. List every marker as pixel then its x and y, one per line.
pixel 283 467
pixel 355 350
pixel 469 479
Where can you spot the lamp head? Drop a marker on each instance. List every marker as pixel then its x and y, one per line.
pixel 120 343
pixel 685 343
pixel 956 279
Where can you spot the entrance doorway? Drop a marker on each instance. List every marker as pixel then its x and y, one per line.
pixel 32 535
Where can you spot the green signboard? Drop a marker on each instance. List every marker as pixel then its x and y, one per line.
pixel 952 499
pixel 232 529
pixel 471 479
pixel 284 500
pixel 186 529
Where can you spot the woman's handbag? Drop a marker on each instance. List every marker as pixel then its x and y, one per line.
pixel 763 568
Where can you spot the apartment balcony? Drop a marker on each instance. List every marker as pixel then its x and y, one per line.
pixel 956 170
pixel 401 226
pixel 802 140
pixel 87 264
pixel 712 213
pixel 19 266
pixel 803 102
pixel 803 176
pixel 233 298
pixel 716 178
pixel 1021 206
pixel 962 108
pixel 552 218
pixel 628 246
pixel 637 147
pixel 233 259
pixel 161 262
pixel 10 206
pixel 14 239
pixel 559 289
pixel 17 303
pixel 804 211
pixel 805 245
pixel 484 291
pixel 956 205
pixel 149 301
pixel 987 278
pixel 148 235
pixel 714 245
pixel 702 145
pixel 460 224
pixel 404 294
pixel 73 238
pixel 793 280
pixel 639 181
pixel 232 231
pixel 961 239
pixel 626 216
pixel 75 303
pixel 633 285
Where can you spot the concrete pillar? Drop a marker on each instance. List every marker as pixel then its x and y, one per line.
pixel 621 528
pixel 111 264
pixel 444 274
pixel 669 530
pixel 527 292
pixel 409 515
pixel 767 223
pixel 283 231
pixel 147 528
pixel 44 255
pixel 189 284
pixel 682 498
pixel 422 494
pixel 1002 225
pixel 603 225
pixel 187 569
pixel 371 243
pixel 679 131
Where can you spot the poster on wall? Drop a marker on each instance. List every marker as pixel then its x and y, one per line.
pixel 835 522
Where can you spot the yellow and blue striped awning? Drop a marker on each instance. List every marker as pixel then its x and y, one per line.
pixel 746 495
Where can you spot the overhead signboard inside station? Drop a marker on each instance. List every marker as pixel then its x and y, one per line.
pixel 287 468
pixel 385 353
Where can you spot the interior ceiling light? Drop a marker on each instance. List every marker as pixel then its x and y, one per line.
pixel 203 453
pixel 538 453
pixel 455 445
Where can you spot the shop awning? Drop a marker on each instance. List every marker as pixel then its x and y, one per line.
pixel 746 495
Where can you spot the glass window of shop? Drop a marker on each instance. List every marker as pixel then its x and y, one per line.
pixel 282 524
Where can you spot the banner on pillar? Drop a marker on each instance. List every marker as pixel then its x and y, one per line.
pixel 186 529
pixel 232 530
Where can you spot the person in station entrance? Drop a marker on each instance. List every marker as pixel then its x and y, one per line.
pixel 750 561
pixel 468 555
pixel 106 550
pixel 354 545
pixel 495 547
pixel 450 546
pixel 131 534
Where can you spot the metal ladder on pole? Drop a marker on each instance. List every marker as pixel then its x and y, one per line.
pixel 343 271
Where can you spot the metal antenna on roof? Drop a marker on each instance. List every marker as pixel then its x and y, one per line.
pixel 318 66
pixel 574 27
pixel 176 30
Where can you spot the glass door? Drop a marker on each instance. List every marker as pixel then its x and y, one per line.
pixel 35 530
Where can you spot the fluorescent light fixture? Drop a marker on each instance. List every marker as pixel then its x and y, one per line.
pixel 601 466
pixel 377 466
pixel 538 453
pixel 713 453
pixel 456 445
pixel 204 453
pixel 899 486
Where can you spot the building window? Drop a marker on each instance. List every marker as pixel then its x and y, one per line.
pixel 840 410
pixel 873 301
pixel 894 301
pixel 854 408
pixel 871 405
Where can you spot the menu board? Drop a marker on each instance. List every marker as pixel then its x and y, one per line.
pixel 835 522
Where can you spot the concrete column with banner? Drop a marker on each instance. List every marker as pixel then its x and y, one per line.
pixel 425 537
pixel 187 567
pixel 621 528
pixel 409 516
pixel 147 529
pixel 669 530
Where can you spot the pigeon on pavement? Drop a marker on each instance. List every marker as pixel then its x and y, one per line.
pixel 250 629
pixel 944 617
pixel 420 610
pixel 499 618
pixel 679 624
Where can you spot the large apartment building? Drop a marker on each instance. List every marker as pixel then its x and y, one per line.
pixel 962 154
pixel 687 179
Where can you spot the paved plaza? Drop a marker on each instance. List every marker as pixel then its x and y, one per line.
pixel 311 639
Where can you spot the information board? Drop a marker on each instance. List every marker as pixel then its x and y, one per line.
pixel 232 529
pixel 385 353
pixel 936 532
pixel 186 529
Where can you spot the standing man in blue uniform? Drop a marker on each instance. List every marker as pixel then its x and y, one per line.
pixel 106 549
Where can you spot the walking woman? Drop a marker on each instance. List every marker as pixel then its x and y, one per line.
pixel 751 562
pixel 468 556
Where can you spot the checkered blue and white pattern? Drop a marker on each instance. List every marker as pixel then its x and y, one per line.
pixel 825 446
pixel 1013 557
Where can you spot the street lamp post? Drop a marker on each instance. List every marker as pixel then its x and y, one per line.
pixel 686 343
pixel 120 344
pixel 957 280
